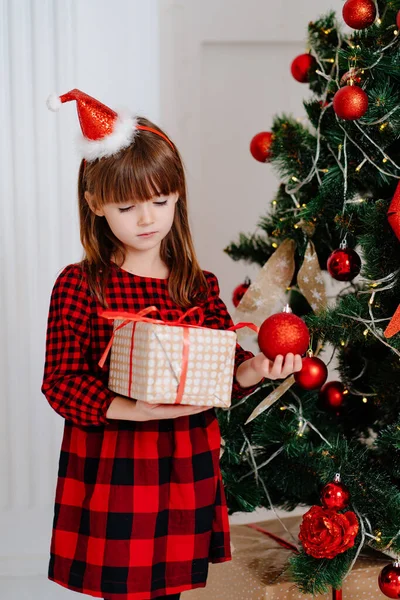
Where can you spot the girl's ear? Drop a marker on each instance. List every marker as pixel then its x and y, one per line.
pixel 90 200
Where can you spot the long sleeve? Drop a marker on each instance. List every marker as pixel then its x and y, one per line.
pixel 218 317
pixel 70 383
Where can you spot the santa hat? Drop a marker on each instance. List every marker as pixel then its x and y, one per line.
pixel 104 132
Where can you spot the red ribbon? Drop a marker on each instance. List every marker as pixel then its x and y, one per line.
pixel 274 537
pixel 127 317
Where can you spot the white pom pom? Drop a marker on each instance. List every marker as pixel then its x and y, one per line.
pixel 53 102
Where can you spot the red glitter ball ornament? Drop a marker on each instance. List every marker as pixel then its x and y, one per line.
pixel 331 394
pixel 398 20
pixel 335 495
pixel 240 291
pixel 344 264
pixel 282 333
pixel 313 373
pixel 359 14
pixel 389 580
pixel 350 103
pixel 260 146
pixel 301 66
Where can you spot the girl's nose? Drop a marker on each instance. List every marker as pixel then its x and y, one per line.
pixel 146 216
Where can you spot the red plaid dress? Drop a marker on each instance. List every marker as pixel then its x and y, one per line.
pixel 140 508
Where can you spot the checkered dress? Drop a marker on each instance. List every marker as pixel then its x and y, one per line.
pixel 140 508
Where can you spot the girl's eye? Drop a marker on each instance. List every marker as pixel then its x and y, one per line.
pixel 133 206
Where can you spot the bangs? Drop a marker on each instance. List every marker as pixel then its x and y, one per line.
pixel 137 177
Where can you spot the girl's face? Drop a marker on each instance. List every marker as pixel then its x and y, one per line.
pixel 130 221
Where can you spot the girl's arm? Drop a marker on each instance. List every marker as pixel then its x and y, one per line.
pixel 217 317
pixel 70 383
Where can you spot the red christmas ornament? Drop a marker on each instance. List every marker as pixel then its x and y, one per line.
pixel 313 373
pixel 301 66
pixel 282 333
pixel 331 394
pixel 260 146
pixel 389 580
pixel 335 496
pixel 344 264
pixel 350 103
pixel 394 212
pixel 327 533
pixel 398 20
pixel 359 14
pixel 350 77
pixel 240 291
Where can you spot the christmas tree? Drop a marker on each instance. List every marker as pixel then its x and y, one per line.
pixel 332 445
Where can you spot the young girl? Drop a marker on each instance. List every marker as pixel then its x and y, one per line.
pixel 140 508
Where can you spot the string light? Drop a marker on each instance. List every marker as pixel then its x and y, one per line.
pixel 274 245
pixel 365 332
pixel 365 400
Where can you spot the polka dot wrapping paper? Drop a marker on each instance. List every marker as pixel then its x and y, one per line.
pixel 147 362
pixel 257 569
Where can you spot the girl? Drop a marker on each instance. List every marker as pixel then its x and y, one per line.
pixel 140 508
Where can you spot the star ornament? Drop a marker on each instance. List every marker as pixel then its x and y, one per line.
pixel 394 325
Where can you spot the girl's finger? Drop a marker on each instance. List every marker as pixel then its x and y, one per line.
pixel 298 362
pixel 287 367
pixel 277 365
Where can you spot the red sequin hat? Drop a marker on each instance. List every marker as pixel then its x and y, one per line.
pixel 105 132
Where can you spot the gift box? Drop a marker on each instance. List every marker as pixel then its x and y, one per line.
pixel 170 362
pixel 257 570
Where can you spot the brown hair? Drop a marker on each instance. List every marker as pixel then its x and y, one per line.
pixel 148 167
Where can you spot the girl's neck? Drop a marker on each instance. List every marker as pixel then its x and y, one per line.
pixel 159 269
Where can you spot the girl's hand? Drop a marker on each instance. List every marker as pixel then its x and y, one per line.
pixel 144 411
pixel 280 368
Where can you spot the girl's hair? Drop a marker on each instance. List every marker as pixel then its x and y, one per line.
pixel 148 167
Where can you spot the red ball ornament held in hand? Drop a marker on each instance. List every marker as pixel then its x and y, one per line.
pixel 313 373
pixel 240 291
pixel 260 146
pixel 331 395
pixel 389 580
pixel 359 14
pixel 344 264
pixel 282 333
pixel 350 103
pixel 301 66
pixel 335 495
